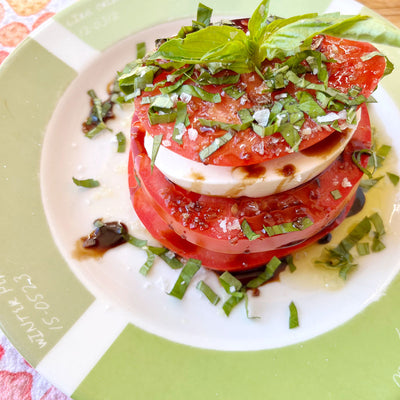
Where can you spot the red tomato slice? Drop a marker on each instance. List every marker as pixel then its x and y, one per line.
pixel 247 147
pixel 214 222
pixel 160 231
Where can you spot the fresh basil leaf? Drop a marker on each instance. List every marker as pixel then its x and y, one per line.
pixel 294 317
pixel 308 105
pixel 221 44
pixel 96 130
pixel 205 78
pixel 230 283
pixel 203 14
pixel 86 183
pixel 145 268
pixel 215 145
pixel 393 178
pixel 259 20
pixel 202 94
pixel 121 140
pixel 162 116
pixel 266 275
pixel 156 147
pixel 186 275
pixel 182 120
pixel 140 49
pixel 247 231
pixel 232 302
pixel 212 297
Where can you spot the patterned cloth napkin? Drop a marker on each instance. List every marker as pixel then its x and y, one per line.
pixel 18 380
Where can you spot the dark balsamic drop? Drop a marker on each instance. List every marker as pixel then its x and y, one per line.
pixel 358 204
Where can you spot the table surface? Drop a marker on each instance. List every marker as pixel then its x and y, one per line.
pixel 18 379
pixel 390 9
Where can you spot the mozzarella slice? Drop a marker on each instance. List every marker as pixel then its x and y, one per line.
pixel 257 180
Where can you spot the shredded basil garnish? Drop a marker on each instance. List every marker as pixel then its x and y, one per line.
pixel 121 140
pixel 393 178
pixel 363 249
pixel 215 145
pixel 293 318
pixel 266 275
pixel 140 49
pixel 156 147
pixel 298 225
pixel 86 183
pixel 290 263
pixel 336 194
pixel 232 302
pixel 145 268
pixel 208 292
pixel 230 283
pixel 247 231
pixel 191 267
pixel 181 122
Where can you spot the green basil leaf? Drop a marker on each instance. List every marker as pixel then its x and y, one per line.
pixel 294 317
pixel 221 44
pixel 97 129
pixel 140 49
pixel 202 94
pixel 393 178
pixel 182 120
pixel 259 20
pixel 232 302
pixel 247 231
pixel 363 248
pixel 203 14
pixel 86 183
pixel 163 116
pixel 145 268
pixel 186 275
pixel 208 292
pixel 308 105
pixel 156 147
pixel 266 275
pixel 215 145
pixel 121 140
pixel 205 78
pixel 230 283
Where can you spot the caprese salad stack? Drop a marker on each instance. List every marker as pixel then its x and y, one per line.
pixel 250 137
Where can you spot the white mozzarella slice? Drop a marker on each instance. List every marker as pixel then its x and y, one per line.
pixel 264 179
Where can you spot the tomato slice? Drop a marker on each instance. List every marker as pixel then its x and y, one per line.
pixel 246 147
pixel 162 232
pixel 214 222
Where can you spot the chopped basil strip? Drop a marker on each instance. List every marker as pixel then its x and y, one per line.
pixel 208 292
pixel 232 302
pixel 215 145
pixel 247 231
pixel 377 245
pixel 145 268
pixel 136 242
pixel 266 275
pixel 121 140
pixel 162 116
pixel 230 283
pixel 293 318
pixel 291 135
pixel 336 194
pixel 186 275
pixel 245 116
pixel 234 92
pixel 181 122
pixel 298 225
pixel 86 183
pixel 156 147
pixel 223 125
pixel 363 249
pixel 202 94
pixel 140 49
pixel 378 224
pixel 308 105
pixel 290 263
pixel 356 157
pixel 172 262
pixel 367 184
pixel 206 78
pixel 393 178
pixel 203 15
pixel 96 130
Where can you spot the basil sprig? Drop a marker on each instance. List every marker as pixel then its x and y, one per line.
pixel 269 38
